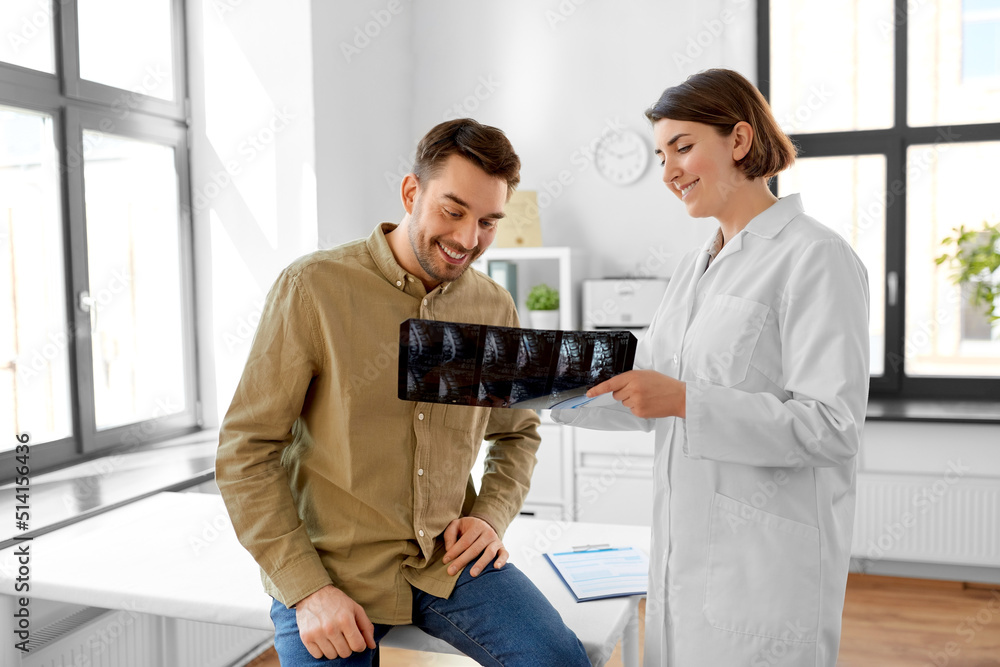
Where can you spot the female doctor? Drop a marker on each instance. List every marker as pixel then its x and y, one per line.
pixel 754 374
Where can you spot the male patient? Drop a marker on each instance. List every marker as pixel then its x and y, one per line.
pixel 357 505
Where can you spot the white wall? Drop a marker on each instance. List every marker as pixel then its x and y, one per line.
pixel 363 80
pixel 552 75
pixel 927 448
pixel 560 74
pixel 253 170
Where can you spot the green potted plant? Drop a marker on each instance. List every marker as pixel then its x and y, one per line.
pixel 543 307
pixel 977 256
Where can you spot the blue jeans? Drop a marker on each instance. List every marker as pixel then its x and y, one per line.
pixel 497 618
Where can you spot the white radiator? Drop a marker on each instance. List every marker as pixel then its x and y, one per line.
pixel 101 638
pixel 949 519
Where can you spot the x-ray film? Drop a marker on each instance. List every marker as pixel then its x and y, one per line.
pixel 506 367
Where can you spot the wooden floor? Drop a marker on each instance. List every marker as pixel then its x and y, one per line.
pixel 891 622
pixel 888 622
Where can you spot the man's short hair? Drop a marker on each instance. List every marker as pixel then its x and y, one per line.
pixel 485 146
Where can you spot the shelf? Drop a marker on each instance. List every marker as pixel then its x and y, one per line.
pixel 514 254
pixel 567 266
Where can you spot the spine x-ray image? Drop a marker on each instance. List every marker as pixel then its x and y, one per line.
pixel 505 367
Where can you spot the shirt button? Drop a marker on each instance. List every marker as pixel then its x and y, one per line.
pixel 676 360
pixel 399 283
pixel 425 302
pixel 420 416
pixel 420 533
pixel 420 472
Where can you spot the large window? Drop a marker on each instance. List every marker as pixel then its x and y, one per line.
pixel 96 330
pixel 895 107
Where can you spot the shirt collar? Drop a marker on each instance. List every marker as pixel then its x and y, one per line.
pixel 378 247
pixel 766 225
pixel 769 223
pixel 386 262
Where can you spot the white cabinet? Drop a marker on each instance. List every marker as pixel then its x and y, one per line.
pixel 613 476
pixel 551 492
pixel 585 475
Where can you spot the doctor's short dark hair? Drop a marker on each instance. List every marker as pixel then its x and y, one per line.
pixel 485 146
pixel 722 98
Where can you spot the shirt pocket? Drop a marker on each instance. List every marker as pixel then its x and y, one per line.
pixel 763 573
pixel 726 338
pixel 466 418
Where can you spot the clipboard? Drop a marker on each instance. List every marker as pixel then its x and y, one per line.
pixel 599 571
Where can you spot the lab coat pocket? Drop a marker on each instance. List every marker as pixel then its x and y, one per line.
pixel 763 573
pixel 726 336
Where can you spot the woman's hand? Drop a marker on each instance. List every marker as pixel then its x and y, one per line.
pixel 648 394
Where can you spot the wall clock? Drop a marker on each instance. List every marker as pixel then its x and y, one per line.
pixel 622 157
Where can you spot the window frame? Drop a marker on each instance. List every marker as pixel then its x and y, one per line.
pixel 893 143
pixel 76 105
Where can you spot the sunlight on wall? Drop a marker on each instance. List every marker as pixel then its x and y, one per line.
pixel 238 121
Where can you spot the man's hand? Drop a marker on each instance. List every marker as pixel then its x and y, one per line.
pixel 333 625
pixel 466 538
pixel 650 395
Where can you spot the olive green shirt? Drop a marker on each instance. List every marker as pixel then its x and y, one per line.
pixel 327 475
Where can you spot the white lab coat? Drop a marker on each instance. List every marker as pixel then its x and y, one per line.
pixel 754 490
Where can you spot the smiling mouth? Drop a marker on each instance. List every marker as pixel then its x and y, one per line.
pixel 455 257
pixel 687 188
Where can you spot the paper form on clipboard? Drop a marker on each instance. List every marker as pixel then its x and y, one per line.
pixel 607 572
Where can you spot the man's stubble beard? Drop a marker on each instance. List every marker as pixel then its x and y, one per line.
pixel 428 254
